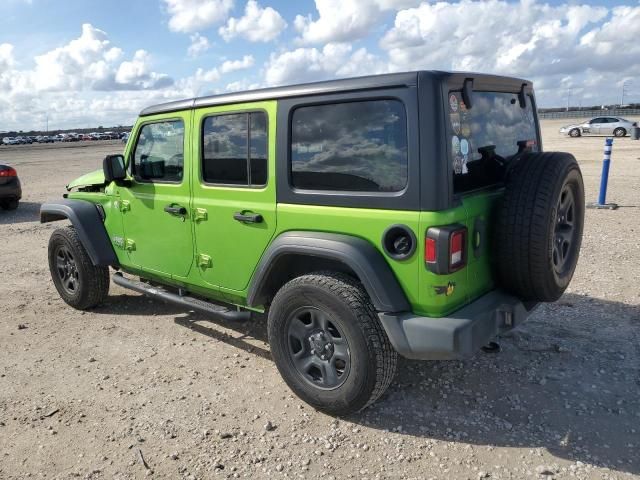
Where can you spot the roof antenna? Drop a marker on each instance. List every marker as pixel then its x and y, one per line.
pixel 467 91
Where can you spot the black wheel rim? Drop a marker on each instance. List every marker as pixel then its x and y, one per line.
pixel 564 240
pixel 67 270
pixel 318 349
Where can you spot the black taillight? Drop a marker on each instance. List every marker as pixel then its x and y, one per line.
pixel 446 248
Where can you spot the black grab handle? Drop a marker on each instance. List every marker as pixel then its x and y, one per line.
pixel 248 217
pixel 175 210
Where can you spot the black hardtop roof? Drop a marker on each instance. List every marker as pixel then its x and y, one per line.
pixel 370 82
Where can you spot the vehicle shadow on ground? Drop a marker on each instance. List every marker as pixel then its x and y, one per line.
pixel 26 212
pixel 237 334
pixel 567 381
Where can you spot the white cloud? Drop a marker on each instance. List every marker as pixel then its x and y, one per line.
pixel 88 62
pixel 192 15
pixel 338 21
pixel 199 45
pixel 558 47
pixel 61 78
pixel 257 25
pixel 312 64
pixel 241 85
pixel 233 65
pixel 136 73
pixel 489 36
pixel 7 60
pixel 344 20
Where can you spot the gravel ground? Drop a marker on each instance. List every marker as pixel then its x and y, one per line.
pixel 140 389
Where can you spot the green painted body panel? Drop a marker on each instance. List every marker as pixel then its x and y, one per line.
pixel 215 256
pixel 480 207
pixel 368 224
pixel 235 248
pixel 157 241
pixel 433 302
pixel 88 179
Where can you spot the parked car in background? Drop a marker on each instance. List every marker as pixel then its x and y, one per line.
pixel 125 137
pixel 10 141
pixel 10 188
pixel 44 139
pixel 24 140
pixel 616 126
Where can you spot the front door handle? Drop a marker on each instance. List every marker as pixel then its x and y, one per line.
pixel 247 217
pixel 175 210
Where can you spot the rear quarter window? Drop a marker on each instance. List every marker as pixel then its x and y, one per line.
pixel 356 146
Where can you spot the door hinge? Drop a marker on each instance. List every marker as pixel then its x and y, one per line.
pixel 124 205
pixel 129 245
pixel 204 261
pixel 200 214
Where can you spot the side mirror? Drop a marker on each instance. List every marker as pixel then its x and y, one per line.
pixel 114 168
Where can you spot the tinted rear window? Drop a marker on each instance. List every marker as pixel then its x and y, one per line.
pixel 496 119
pixel 355 146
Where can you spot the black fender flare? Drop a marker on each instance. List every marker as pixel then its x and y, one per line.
pixel 358 254
pixel 86 219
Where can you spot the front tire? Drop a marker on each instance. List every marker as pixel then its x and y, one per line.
pixel 80 284
pixel 575 132
pixel 328 343
pixel 619 132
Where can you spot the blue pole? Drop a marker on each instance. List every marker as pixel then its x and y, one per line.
pixel 604 179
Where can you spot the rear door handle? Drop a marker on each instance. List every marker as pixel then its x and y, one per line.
pixel 175 210
pixel 247 217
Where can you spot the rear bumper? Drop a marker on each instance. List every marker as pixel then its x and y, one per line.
pixel 459 335
pixel 11 189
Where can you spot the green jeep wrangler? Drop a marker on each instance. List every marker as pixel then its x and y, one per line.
pixel 411 213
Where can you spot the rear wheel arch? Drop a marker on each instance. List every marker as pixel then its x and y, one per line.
pixel 293 254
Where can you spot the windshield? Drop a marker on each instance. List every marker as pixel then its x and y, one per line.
pixel 484 138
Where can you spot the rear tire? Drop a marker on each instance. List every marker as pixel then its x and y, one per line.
pixel 619 132
pixel 80 284
pixel 10 204
pixel 539 225
pixel 328 343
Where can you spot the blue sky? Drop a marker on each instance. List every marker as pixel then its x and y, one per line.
pixel 87 62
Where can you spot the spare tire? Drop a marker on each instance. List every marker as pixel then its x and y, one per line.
pixel 538 229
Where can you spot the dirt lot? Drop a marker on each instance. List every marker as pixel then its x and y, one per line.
pixel 85 394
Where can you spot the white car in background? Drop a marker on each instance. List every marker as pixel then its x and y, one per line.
pixel 616 126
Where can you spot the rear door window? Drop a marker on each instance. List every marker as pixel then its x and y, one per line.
pixel 484 138
pixel 234 149
pixel 354 146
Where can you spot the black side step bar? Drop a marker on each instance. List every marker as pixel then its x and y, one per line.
pixel 188 302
